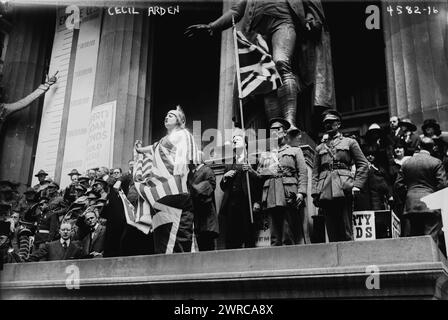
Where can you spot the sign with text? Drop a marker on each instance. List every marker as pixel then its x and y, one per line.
pixel 81 97
pixel 439 200
pixel 100 137
pixel 263 231
pixel 371 225
pixel 364 225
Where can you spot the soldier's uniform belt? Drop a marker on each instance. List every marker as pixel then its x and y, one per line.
pixel 335 166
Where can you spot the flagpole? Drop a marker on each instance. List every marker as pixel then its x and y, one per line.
pixel 240 100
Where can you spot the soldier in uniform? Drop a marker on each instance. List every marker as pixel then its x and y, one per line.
pixel 41 175
pixel 41 216
pixel 70 194
pixel 57 207
pixel 27 201
pixel 7 194
pixel 84 181
pixel 333 181
pixel 284 190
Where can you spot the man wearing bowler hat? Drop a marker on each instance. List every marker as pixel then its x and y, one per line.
pixel 333 181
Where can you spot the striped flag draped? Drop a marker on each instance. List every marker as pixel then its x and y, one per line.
pixel 257 69
pixel 160 177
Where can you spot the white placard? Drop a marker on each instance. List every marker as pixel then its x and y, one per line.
pixel 364 225
pixel 100 139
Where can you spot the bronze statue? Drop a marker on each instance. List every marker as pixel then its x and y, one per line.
pixel 8 108
pixel 298 37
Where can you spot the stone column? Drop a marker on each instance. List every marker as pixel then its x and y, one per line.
pixel 124 64
pixel 417 62
pixel 226 79
pixel 28 51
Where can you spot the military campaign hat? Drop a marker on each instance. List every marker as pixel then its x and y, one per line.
pixel 80 187
pixel 408 123
pixel 100 181
pixel 331 115
pixel 73 172
pixel 286 125
pixel 83 178
pixel 91 194
pixel 53 185
pixel 41 172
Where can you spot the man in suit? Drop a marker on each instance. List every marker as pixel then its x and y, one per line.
pixel 62 249
pixel 201 185
pixel 297 33
pixel 419 176
pixel 93 242
pixel 240 231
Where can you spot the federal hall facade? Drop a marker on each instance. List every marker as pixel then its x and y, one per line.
pixel 120 72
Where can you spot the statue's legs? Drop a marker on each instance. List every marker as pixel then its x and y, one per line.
pixel 283 43
pixel 271 106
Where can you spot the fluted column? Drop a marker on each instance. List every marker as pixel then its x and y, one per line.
pixel 226 79
pixel 29 47
pixel 122 75
pixel 417 62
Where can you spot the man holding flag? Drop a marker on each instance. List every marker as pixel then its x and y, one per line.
pixel 296 33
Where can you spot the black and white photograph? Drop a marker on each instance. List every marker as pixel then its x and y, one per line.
pixel 224 155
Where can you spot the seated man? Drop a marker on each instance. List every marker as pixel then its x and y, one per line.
pixel 62 249
pixel 93 242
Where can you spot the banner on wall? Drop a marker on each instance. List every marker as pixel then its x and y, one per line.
pixel 81 97
pixel 100 137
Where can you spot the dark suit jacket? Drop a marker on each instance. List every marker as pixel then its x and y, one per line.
pixel 226 186
pixel 54 251
pixel 96 243
pixel 201 185
pixel 419 176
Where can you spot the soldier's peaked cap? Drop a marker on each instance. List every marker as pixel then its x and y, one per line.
pixel 331 115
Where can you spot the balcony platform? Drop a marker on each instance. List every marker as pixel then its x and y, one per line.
pixel 408 268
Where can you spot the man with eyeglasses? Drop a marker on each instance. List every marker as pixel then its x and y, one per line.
pixel 93 242
pixel 62 249
pixel 284 172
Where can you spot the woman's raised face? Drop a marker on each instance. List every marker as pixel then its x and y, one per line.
pixel 170 120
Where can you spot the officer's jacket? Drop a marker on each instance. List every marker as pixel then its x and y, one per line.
pixel 283 172
pixel 332 165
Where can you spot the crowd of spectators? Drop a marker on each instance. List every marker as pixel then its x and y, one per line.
pixel 49 223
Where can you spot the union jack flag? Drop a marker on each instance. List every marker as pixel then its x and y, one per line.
pixel 257 69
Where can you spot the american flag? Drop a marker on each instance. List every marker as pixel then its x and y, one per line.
pixel 160 177
pixel 257 69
